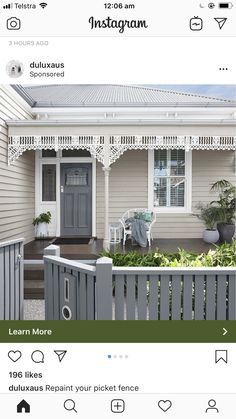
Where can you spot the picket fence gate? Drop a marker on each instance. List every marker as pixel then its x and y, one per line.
pixel 79 291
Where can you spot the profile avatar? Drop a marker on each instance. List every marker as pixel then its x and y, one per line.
pixel 14 69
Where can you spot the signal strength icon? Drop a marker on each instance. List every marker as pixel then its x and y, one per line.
pixel 8 6
pixel 43 5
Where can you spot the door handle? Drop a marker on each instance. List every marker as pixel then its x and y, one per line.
pixel 62 189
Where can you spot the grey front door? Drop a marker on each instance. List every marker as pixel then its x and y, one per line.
pixel 76 199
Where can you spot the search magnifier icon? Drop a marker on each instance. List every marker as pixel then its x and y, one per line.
pixel 69 405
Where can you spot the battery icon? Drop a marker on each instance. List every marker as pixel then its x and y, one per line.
pixel 225 5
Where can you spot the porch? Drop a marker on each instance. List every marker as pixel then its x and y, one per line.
pixel 33 251
pixel 122 172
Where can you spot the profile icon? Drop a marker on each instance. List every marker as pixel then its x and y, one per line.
pixel 212 407
pixel 14 69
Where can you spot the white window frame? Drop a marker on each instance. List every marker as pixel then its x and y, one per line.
pixel 188 186
pixel 44 162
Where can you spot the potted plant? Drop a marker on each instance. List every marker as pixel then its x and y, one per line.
pixel 208 215
pixel 225 209
pixel 42 222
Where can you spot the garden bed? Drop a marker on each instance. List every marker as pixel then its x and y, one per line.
pixel 223 255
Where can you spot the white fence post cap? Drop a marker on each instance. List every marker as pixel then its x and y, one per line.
pixel 52 250
pixel 104 260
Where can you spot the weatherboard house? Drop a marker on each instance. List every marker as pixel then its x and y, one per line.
pixel 88 153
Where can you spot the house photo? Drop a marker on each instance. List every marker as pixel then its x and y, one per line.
pixel 92 156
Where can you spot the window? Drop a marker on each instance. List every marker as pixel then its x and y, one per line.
pixel 76 153
pixel 49 182
pixel 77 177
pixel 49 153
pixel 170 179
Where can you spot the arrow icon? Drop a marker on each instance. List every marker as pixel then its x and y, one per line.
pixel 221 21
pixel 60 354
pixel 225 331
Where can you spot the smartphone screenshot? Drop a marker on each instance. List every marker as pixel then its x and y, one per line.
pixel 118 209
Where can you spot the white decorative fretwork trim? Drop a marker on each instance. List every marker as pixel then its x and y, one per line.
pixel 117 144
pixel 18 144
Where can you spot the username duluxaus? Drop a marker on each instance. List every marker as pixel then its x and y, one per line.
pixel 40 64
pixel 110 23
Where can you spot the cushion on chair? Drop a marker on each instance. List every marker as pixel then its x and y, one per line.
pixel 146 216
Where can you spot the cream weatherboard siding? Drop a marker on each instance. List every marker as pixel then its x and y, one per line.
pixel 17 197
pixel 128 186
pixel 129 189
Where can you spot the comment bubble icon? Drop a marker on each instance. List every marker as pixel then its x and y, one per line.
pixel 37 357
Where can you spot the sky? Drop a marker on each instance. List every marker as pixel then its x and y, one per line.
pixel 226 91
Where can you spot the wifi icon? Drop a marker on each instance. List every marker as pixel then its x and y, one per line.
pixel 43 5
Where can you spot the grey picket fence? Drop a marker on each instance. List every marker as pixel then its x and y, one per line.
pixel 11 280
pixel 75 290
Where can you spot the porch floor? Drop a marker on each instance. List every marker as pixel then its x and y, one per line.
pixel 34 250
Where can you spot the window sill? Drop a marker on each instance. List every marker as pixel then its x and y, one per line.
pixel 172 211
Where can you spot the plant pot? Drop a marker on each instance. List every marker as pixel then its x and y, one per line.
pixel 210 236
pixel 226 232
pixel 42 230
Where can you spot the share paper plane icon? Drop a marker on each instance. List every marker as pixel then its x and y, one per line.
pixel 60 354
pixel 221 21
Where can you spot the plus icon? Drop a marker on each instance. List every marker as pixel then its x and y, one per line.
pixel 117 406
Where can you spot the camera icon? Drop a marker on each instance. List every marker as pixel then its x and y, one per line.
pixel 13 24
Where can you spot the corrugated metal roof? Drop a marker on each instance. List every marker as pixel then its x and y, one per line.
pixel 98 95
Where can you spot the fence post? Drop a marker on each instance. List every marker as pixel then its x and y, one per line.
pixel 52 250
pixel 232 297
pixel 21 279
pixel 104 288
pixel 12 280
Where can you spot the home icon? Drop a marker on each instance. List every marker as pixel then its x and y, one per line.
pixel 23 406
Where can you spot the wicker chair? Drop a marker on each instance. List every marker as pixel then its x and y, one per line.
pixel 131 213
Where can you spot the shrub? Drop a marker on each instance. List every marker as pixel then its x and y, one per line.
pixel 208 215
pixel 226 203
pixel 223 255
pixel 44 217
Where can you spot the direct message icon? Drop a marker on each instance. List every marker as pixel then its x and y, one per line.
pixel 221 21
pixel 60 354
pixel 164 405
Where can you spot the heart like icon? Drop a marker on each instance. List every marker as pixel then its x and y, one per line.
pixel 14 355
pixel 164 405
